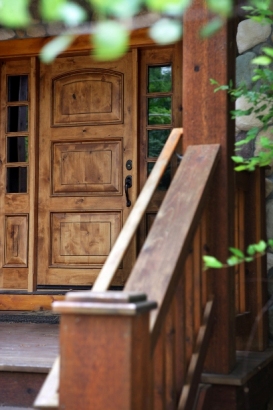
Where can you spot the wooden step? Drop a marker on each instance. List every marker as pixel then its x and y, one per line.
pixel 27 353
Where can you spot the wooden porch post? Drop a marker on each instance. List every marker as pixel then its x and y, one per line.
pixel 105 351
pixel 206 120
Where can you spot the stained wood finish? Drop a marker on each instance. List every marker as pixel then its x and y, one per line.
pixel 110 267
pixel 28 347
pixel 212 124
pixel 85 142
pixel 18 212
pixel 190 388
pixel 32 46
pixel 28 302
pixel 129 364
pixel 186 197
pixel 254 334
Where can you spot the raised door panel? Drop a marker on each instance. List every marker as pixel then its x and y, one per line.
pixel 87 168
pixel 92 97
pixel 85 141
pixel 16 241
pixel 83 239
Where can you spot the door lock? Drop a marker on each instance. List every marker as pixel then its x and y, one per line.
pixel 129 164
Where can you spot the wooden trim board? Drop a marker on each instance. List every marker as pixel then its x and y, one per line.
pixel 28 302
pixel 32 46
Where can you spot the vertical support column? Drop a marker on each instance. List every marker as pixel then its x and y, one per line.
pixel 105 351
pixel 206 120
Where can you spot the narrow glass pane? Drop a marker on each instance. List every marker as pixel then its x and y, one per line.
pixel 156 141
pixel 159 110
pixel 17 149
pixel 17 180
pixel 166 178
pixel 17 118
pixel 18 88
pixel 160 79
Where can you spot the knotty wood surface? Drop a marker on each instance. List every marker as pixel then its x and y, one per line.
pixel 28 347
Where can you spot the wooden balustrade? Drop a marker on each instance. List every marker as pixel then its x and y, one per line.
pixel 110 369
pixel 250 277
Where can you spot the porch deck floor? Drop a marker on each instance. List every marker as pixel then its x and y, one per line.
pixel 28 347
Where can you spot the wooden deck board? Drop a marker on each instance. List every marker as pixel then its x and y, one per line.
pixel 28 347
pixel 247 365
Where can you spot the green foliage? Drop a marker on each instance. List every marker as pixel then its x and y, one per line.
pixel 14 13
pixel 110 40
pixel 237 256
pixel 166 31
pixel 56 46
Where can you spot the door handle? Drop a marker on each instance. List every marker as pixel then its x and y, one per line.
pixel 128 184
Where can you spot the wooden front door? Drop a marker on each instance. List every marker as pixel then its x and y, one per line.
pixel 87 147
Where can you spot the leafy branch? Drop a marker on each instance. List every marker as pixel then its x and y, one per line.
pixel 237 256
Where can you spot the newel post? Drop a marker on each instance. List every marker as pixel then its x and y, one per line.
pixel 105 351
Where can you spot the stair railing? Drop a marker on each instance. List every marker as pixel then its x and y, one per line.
pixel 116 354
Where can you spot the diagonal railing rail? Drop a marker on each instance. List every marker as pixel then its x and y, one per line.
pixel 168 270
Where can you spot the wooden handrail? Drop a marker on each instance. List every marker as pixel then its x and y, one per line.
pixel 183 204
pixel 113 261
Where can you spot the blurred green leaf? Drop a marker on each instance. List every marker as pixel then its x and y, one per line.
pixel 72 14
pixel 237 252
pixel 268 51
pixel 233 260
pixel 212 27
pixel 262 60
pixel 54 47
pixel 50 9
pixel 261 246
pixel 110 40
pixel 237 159
pixel 14 13
pixel 223 7
pixel 211 262
pixel 166 31
pixel 171 7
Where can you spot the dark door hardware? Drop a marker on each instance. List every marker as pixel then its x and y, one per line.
pixel 128 184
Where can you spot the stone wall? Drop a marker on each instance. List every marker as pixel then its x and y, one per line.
pixel 251 38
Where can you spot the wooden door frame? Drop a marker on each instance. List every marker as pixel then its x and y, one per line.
pixel 15 49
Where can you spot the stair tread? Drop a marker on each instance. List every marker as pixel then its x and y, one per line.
pixel 28 347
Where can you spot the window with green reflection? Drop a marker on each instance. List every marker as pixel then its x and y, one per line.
pixel 159 110
pixel 156 141
pixel 160 79
pixel 17 149
pixel 166 178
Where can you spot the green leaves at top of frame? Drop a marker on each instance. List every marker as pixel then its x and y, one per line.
pixel 166 31
pixel 117 8
pixel 62 10
pixel 222 8
pixel 110 40
pixel 170 7
pixel 14 13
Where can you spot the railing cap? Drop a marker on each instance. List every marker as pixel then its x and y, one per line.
pixel 105 303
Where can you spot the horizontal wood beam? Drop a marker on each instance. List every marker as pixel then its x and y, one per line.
pixel 32 46
pixel 28 302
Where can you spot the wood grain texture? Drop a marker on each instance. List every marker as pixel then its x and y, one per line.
pixel 28 302
pixel 28 347
pixel 85 142
pixel 89 363
pixel 110 267
pixel 163 256
pixel 190 388
pixel 33 46
pixel 213 57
